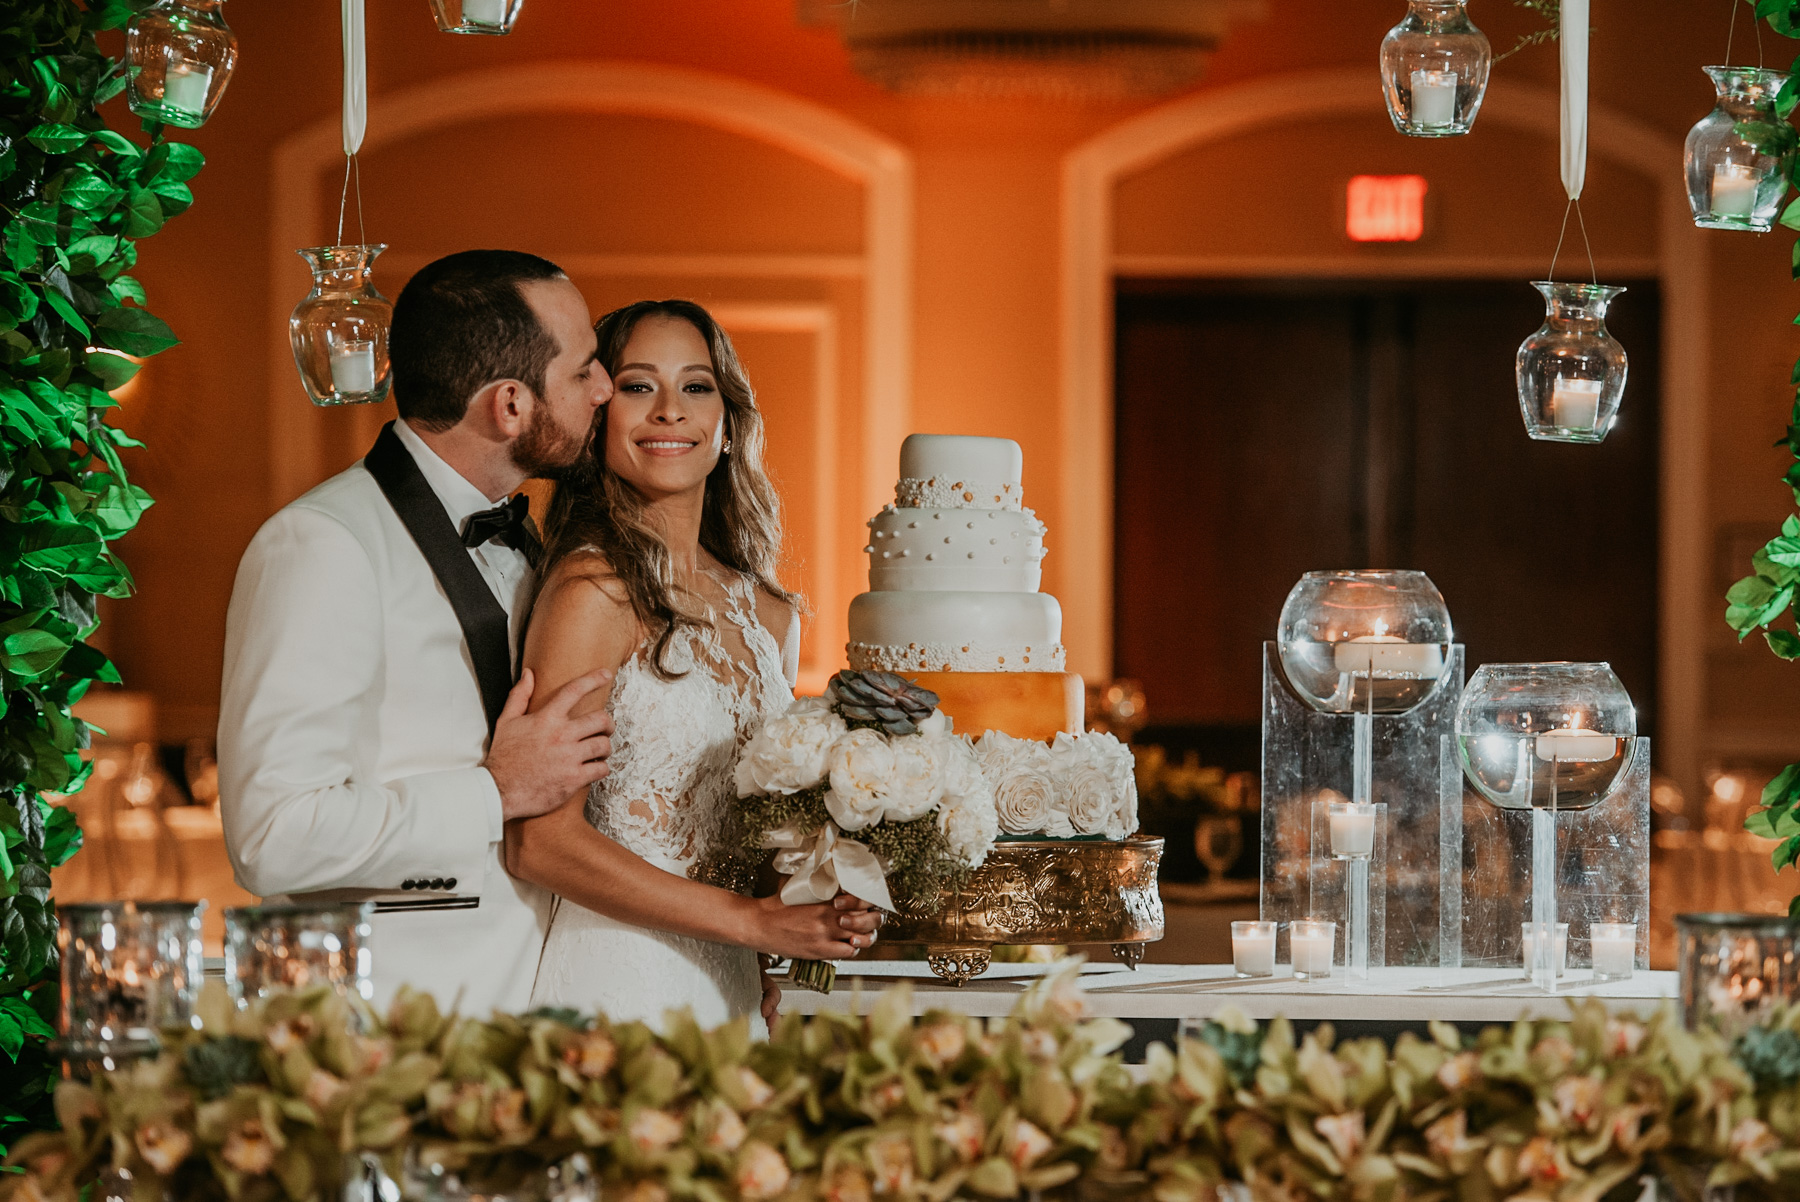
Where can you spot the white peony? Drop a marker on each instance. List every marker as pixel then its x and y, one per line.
pixel 1019 770
pixel 861 766
pixel 917 781
pixel 788 754
pixel 966 815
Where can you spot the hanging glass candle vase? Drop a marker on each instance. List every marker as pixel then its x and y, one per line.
pixel 1434 69
pixel 1571 373
pixel 476 16
pixel 340 331
pixel 178 58
pixel 1732 184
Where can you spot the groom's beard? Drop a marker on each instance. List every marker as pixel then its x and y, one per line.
pixel 546 451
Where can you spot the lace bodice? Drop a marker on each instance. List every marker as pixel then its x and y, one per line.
pixel 676 742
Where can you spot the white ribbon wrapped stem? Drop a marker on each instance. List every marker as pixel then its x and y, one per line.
pixel 1574 42
pixel 819 866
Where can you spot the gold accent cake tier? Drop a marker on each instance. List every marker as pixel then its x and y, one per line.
pixel 1025 705
pixel 1040 891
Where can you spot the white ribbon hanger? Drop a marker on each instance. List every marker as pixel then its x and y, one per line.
pixel 356 77
pixel 1574 42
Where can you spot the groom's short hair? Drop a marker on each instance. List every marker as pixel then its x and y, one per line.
pixel 461 323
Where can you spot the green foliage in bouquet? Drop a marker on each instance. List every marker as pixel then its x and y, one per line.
pixel 274 1103
pixel 1767 595
pixel 74 199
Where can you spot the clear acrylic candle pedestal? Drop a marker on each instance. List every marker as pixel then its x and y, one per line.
pixel 1598 857
pixel 1309 763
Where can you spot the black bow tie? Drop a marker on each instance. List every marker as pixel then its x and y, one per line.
pixel 509 522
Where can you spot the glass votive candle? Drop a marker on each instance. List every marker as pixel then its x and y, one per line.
pixel 1314 945
pixel 129 971
pixel 1253 948
pixel 1352 830
pixel 272 948
pixel 1615 950
pixel 1560 948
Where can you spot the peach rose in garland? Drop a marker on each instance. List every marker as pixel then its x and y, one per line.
pixel 249 1149
pixel 1026 1144
pixel 965 1134
pixel 847 1184
pixel 643 1191
pixel 163 1146
pixel 941 1042
pixel 891 1160
pixel 653 1130
pixel 762 1172
pixel 721 1130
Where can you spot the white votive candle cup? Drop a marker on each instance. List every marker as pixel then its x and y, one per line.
pixel 1560 949
pixel 1615 949
pixel 490 14
pixel 1314 947
pixel 1253 949
pixel 1575 403
pixel 1352 830
pixel 1382 655
pixel 185 85
pixel 1434 97
pixel 1734 189
pixel 353 367
pixel 1576 746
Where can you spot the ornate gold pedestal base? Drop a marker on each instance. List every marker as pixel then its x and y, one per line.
pixel 1040 891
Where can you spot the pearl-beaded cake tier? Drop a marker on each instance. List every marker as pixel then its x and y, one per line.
pixel 985 550
pixel 954 567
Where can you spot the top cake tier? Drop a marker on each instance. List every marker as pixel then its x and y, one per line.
pixel 959 471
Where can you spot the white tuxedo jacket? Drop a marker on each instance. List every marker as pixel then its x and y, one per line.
pixel 351 732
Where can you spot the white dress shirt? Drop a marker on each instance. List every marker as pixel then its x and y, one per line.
pixel 352 735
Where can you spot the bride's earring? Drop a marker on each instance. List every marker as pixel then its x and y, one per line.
pixel 726 449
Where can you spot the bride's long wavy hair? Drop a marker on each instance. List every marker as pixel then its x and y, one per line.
pixel 740 522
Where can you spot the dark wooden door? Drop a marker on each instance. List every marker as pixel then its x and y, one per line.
pixel 1269 429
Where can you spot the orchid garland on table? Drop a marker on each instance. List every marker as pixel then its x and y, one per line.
pixel 276 1102
pixel 865 790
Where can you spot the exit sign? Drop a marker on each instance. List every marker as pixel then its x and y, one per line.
pixel 1385 208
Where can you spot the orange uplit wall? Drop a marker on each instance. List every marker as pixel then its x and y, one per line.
pixel 894 263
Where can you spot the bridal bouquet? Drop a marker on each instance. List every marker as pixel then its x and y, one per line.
pixel 865 790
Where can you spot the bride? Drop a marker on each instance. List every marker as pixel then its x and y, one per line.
pixel 661 549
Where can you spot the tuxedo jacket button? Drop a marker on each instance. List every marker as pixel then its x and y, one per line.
pixel 409 884
pixel 437 883
pixel 450 884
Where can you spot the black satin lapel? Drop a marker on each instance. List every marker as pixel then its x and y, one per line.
pixel 483 620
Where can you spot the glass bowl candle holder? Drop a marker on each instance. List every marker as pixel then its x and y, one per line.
pixel 476 16
pixel 179 55
pixel 1571 372
pixel 339 331
pixel 129 971
pixel 1434 70
pixel 271 948
pixel 1364 642
pixel 1731 183
pixel 1554 735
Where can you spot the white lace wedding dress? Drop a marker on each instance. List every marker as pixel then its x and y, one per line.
pixel 675 745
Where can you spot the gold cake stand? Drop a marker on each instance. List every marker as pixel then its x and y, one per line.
pixel 1040 891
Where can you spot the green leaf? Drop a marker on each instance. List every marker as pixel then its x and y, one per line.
pixel 134 331
pixel 1783 643
pixel 87 192
pixel 54 138
pixel 114 370
pixel 67 312
pixel 1782 788
pixel 144 214
pixel 124 288
pixel 31 653
pixel 175 162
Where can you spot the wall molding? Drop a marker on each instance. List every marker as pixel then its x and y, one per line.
pixel 798 126
pixel 1090 173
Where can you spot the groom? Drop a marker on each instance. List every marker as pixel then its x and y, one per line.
pixel 369 747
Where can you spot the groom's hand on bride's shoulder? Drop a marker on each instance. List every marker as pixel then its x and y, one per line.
pixel 540 759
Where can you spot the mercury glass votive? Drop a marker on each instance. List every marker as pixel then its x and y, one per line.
pixel 1364 642
pixel 1545 735
pixel 272 948
pixel 129 971
pixel 1253 948
pixel 1736 968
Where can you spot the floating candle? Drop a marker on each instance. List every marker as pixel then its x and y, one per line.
pixel 1382 655
pixel 1576 746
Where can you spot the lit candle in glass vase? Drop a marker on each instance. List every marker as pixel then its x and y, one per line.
pixel 353 366
pixel 1575 403
pixel 1433 97
pixel 487 13
pixel 1314 946
pixel 1615 949
pixel 1734 189
pixel 1559 948
pixel 185 85
pixel 1352 830
pixel 1253 949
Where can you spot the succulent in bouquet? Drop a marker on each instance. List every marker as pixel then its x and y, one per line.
pixel 866 790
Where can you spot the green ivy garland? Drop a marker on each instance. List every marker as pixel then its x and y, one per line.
pixel 74 198
pixel 1766 595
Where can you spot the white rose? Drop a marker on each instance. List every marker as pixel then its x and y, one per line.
pixel 1086 794
pixel 917 782
pixel 1024 790
pixel 861 765
pixel 1098 780
pixel 788 753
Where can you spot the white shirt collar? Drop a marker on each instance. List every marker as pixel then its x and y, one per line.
pixel 459 497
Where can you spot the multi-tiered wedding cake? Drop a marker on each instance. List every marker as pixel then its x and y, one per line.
pixel 954 605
